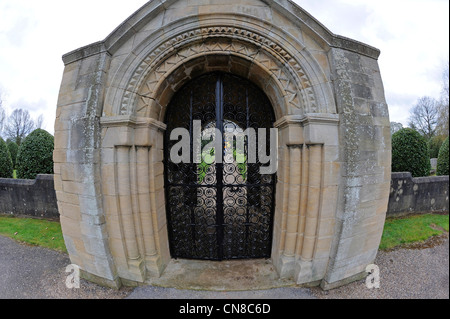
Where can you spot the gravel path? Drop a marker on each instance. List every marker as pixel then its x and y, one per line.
pixel 37 273
pixel 420 272
pixel 28 272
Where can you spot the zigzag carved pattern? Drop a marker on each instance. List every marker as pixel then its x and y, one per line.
pixel 301 90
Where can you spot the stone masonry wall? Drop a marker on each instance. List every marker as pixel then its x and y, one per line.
pixel 417 195
pixel 77 164
pixel 34 198
pixel 327 89
pixel 365 172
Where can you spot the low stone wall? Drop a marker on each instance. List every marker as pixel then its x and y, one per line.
pixel 35 198
pixel 417 195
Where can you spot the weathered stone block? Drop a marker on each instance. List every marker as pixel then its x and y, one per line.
pixel 328 99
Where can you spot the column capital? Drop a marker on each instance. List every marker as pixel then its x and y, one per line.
pixel 305 119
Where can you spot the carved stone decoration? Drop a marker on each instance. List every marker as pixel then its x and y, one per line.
pixel 333 180
pixel 226 40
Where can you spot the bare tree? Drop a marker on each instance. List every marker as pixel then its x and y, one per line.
pixel 443 108
pixel 2 118
pixel 424 117
pixel 395 127
pixel 39 122
pixel 19 125
pixel 2 113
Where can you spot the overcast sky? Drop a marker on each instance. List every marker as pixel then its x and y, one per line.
pixel 413 36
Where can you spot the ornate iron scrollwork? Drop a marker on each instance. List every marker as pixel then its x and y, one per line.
pixel 219 211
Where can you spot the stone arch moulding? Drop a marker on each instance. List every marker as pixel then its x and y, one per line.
pixel 333 176
pixel 221 36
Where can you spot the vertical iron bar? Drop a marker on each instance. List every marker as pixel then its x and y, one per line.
pixel 219 168
pixel 252 185
pixel 193 175
pixel 247 220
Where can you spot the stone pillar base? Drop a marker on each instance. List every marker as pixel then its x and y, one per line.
pixel 286 266
pixel 136 270
pixel 329 286
pixel 116 283
pixel 154 266
pixel 303 271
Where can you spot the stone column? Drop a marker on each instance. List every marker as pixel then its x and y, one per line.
pixel 313 201
pixel 290 198
pixel 304 271
pixel 143 183
pixel 294 200
pixel 145 197
pixel 134 259
pixel 303 203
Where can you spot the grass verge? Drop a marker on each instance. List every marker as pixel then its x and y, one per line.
pixel 34 232
pixel 397 231
pixel 413 229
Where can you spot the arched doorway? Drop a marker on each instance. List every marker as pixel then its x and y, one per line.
pixel 219 209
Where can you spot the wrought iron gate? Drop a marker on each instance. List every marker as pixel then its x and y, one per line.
pixel 224 210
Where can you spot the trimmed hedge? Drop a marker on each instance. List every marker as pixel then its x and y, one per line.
pixel 35 155
pixel 435 144
pixel 410 153
pixel 13 148
pixel 6 166
pixel 442 163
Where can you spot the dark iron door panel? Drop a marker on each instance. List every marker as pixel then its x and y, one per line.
pixel 219 211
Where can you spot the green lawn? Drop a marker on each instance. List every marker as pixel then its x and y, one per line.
pixel 397 232
pixel 401 231
pixel 33 232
